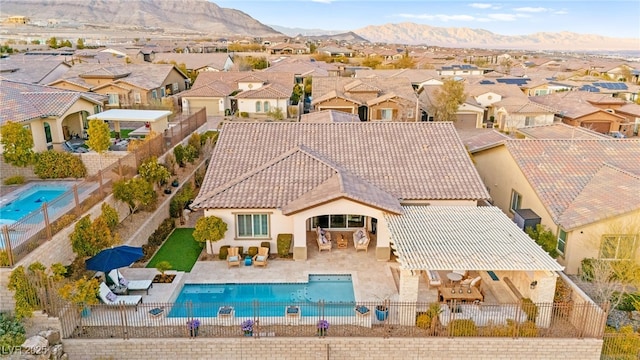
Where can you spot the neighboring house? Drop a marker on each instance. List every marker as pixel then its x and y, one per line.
pixel 459 70
pixel 584 190
pixel 255 93
pixel 288 48
pixel 412 191
pixel 419 78
pixel 126 85
pixel 197 62
pixel 373 99
pixel 590 110
pixel 470 113
pixel 559 131
pixel 335 51
pixel 331 116
pixel 631 112
pixel 53 115
pixel 33 69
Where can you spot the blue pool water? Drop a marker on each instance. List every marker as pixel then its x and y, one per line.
pixel 29 201
pixel 204 300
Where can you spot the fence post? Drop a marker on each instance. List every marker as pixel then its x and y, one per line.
pixel 76 199
pixel 47 225
pixel 123 317
pixel 7 245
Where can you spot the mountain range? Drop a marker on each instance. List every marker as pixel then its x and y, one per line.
pixel 204 18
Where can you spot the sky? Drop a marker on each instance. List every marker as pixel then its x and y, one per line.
pixel 614 18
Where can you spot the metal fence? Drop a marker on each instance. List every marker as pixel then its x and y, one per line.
pixel 621 346
pixel 22 237
pixel 303 319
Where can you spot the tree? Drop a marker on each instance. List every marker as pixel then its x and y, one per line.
pixel 447 100
pixel 110 215
pixel 89 238
pixel 80 44
pixel 53 42
pixel 99 137
pixel 372 61
pixel 154 172
pixel 545 238
pixel 406 62
pixel 209 229
pixel 17 144
pixel 505 65
pixel 136 193
pixel 296 94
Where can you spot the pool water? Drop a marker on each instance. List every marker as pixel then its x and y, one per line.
pixel 270 299
pixel 29 202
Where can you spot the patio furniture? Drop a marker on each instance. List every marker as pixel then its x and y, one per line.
pixel 131 285
pixel 434 278
pixel 462 273
pixel 233 257
pixel 323 238
pixel 483 314
pixel 471 282
pixel 454 277
pixel 225 311
pixel 342 242
pixel 460 294
pixel 156 312
pixel 260 259
pixel 361 239
pixel 109 298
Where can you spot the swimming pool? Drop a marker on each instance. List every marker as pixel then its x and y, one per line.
pixel 268 299
pixel 29 201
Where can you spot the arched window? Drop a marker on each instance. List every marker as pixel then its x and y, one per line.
pixel 266 106
pixel 258 106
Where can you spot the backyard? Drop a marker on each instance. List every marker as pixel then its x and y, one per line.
pixel 181 250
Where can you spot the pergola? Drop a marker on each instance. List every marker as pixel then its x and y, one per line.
pixel 156 120
pixel 469 238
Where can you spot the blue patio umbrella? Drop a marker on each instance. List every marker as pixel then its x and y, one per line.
pixel 114 257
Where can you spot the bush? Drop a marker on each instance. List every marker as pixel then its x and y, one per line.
pixel 626 343
pixel 63 222
pixel 528 329
pixel 586 269
pixel 110 216
pixel 224 251
pixel 59 165
pixel 244 114
pixel 14 180
pixel 284 244
pixel 12 333
pixel 253 251
pixel 530 309
pixel 213 135
pixel 162 232
pixel 627 302
pixel 463 327
pixel 545 238
pixel 178 153
pixel 4 258
pixel 195 140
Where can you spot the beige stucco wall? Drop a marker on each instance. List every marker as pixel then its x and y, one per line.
pixel 214 105
pixel 338 104
pixel 283 348
pixel 249 105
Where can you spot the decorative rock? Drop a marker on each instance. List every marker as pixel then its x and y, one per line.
pixel 57 352
pixel 53 336
pixel 36 345
pixel 635 315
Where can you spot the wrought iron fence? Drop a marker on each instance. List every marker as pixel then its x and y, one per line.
pixel 19 239
pixel 621 346
pixel 343 319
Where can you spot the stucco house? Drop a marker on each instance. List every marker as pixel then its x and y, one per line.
pixel 125 85
pixel 405 184
pixel 584 190
pixel 53 115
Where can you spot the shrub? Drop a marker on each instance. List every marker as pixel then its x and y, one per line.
pixel 528 329
pixel 244 114
pixel 24 294
pixel 545 238
pixel 63 222
pixel 626 343
pixel 224 251
pixel 463 327
pixel 14 180
pixel 162 232
pixel 423 321
pixel 110 216
pixel 530 309
pixel 284 244
pixel 627 303
pixel 148 250
pixel 178 152
pixel 267 245
pixel 586 269
pixel 190 154
pixel 59 165
pixel 213 135
pixel 4 258
pixel 12 333
pixel 253 251
pixel 195 140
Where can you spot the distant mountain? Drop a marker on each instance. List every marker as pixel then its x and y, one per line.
pixel 347 36
pixel 415 34
pixel 305 32
pixel 196 16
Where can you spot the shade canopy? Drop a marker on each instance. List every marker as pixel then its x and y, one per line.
pixel 113 258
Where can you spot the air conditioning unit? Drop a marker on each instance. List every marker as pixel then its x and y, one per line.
pixel 525 218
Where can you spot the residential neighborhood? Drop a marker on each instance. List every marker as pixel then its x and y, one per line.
pixel 224 193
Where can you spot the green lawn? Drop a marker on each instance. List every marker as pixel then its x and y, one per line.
pixel 124 133
pixel 181 250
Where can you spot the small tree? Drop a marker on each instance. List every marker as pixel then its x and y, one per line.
pixel 136 192
pixel 276 113
pixel 99 138
pixel 17 144
pixel 110 216
pixel 545 238
pixel 89 238
pixel 154 172
pixel 209 229
pixel 162 267
pixel 178 152
pixel 447 100
pixel 81 292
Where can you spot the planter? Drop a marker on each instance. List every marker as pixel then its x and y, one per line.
pixel 193 332
pixel 175 183
pixel 167 191
pixel 248 333
pixel 382 312
pixel 322 332
pixel 86 312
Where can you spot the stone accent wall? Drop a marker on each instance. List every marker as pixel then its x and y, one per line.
pixel 8 170
pixel 92 161
pixel 335 348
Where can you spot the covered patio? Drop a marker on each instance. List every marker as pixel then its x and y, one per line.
pixel 478 241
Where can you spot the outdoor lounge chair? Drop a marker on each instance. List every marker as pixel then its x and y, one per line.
pixel 361 239
pixel 233 257
pixel 324 239
pixel 109 298
pixel 260 259
pixel 131 285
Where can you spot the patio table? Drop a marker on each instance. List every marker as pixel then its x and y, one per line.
pixel 453 293
pixel 454 277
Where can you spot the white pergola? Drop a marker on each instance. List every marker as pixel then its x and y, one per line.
pixel 470 238
pixel 157 120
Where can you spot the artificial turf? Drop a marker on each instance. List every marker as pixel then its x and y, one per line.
pixel 181 250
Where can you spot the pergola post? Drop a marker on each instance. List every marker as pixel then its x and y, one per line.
pixel 409 285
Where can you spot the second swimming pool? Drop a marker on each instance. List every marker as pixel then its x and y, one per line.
pixel 268 299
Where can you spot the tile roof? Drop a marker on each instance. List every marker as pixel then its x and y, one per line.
pixel 214 89
pixel 329 116
pixel 482 140
pixel 575 104
pixel 232 78
pixel 463 237
pixel 23 102
pixel 269 91
pixel 145 76
pixel 523 106
pixel 363 89
pixel 559 131
pixel 563 172
pixel 257 165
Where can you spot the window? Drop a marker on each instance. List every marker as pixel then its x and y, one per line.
pixel 516 201
pixel 175 88
pixel 258 106
pixel 562 241
pixel 113 99
pixel 266 106
pixel 136 98
pixel 529 121
pixel 162 92
pixel 339 221
pixel 252 225
pixel 618 247
pixel 386 114
pixel 154 94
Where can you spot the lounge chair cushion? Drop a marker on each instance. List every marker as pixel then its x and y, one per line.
pixel 111 296
pixel 260 258
pixel 124 282
pixel 233 258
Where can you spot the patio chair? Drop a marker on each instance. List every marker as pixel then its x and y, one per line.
pixel 109 298
pixel 361 239
pixel 260 259
pixel 131 285
pixel 233 257
pixel 324 239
